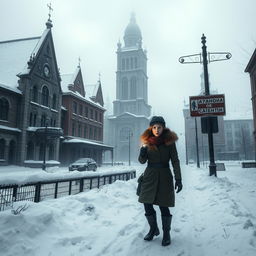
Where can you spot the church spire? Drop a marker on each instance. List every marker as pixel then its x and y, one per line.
pixel 49 21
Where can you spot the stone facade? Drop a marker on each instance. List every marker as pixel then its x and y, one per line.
pixel 131 111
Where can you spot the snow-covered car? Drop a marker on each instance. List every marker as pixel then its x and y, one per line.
pixel 83 164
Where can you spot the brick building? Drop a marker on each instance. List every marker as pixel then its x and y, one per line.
pixel 82 119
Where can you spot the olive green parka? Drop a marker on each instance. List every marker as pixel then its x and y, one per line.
pixel 157 185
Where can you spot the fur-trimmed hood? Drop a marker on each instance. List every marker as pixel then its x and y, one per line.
pixel 169 136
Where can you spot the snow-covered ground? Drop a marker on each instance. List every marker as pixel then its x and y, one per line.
pixel 213 216
pixel 21 175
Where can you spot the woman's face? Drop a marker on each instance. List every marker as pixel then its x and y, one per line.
pixel 157 129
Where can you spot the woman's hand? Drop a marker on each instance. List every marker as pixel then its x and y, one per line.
pixel 143 150
pixel 178 184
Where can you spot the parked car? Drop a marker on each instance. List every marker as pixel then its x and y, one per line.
pixel 83 164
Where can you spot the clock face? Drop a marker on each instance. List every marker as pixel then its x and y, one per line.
pixel 46 71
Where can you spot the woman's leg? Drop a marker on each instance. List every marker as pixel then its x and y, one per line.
pixel 150 214
pixel 165 211
pixel 149 209
pixel 166 222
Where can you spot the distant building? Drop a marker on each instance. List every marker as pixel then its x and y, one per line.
pixel 30 100
pixel 131 110
pixel 251 69
pixel 82 119
pixel 239 143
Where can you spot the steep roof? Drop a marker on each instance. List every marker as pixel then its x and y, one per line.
pixel 14 57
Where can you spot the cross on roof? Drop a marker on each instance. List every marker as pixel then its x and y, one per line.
pixel 99 76
pixel 79 61
pixel 50 10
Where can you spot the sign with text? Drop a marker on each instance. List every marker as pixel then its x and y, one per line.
pixel 207 105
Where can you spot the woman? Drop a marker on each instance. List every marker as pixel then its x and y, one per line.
pixel 157 186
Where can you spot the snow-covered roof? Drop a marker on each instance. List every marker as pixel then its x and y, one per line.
pixel 14 57
pixel 80 140
pixel 4 127
pixel 92 89
pixel 131 48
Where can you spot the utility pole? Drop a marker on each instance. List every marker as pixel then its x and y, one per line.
pixel 204 58
pixel 197 150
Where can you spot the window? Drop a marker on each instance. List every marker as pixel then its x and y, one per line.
pixel 80 109
pixel 124 90
pixel 4 109
pixel 136 63
pixel 45 96
pixel 101 117
pixel 90 133
pixel 79 130
pixel 73 129
pixel 43 121
pixel 30 119
pixel 95 133
pixel 74 107
pixel 34 94
pixel 30 151
pixel 54 101
pixel 131 63
pixel 2 148
pixel 86 111
pixel 127 63
pixel 34 121
pixel 85 131
pixel 123 64
pixel 96 115
pixel 133 93
pixel 91 113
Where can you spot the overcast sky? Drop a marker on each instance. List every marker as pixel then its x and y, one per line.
pixel 170 29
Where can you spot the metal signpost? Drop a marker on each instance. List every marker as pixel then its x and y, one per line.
pixel 204 58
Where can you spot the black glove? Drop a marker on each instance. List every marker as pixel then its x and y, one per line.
pixel 143 151
pixel 178 184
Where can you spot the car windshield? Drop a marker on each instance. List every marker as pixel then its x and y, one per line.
pixel 82 160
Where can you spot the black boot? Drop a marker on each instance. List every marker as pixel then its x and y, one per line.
pixel 166 222
pixel 154 231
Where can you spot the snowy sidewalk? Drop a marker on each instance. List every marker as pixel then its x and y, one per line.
pixel 212 217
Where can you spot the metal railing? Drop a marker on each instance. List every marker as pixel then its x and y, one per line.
pixel 44 190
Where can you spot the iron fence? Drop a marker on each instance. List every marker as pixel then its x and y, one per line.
pixel 44 190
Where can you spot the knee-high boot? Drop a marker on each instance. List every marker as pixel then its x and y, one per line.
pixel 166 222
pixel 153 231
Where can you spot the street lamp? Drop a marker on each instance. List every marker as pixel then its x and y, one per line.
pixel 202 59
pixel 129 140
pixel 45 144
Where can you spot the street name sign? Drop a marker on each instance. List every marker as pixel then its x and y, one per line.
pixel 207 105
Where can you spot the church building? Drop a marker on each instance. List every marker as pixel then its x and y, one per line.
pixel 30 100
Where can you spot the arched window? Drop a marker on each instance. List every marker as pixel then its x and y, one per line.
pixel 124 91
pixel 4 109
pixel 30 151
pixel 131 62
pixel 123 64
pixel 133 88
pixel 31 119
pixel 51 152
pixel 34 121
pixel 136 63
pixel 43 121
pixel 54 101
pixel 125 133
pixel 2 148
pixel 45 96
pixel 127 63
pixel 34 94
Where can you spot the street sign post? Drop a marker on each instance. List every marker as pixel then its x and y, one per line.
pixel 207 105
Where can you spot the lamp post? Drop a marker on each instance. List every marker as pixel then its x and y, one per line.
pixel 129 143
pixel 197 150
pixel 45 144
pixel 202 59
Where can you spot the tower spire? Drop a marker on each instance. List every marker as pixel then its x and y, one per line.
pixel 49 21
